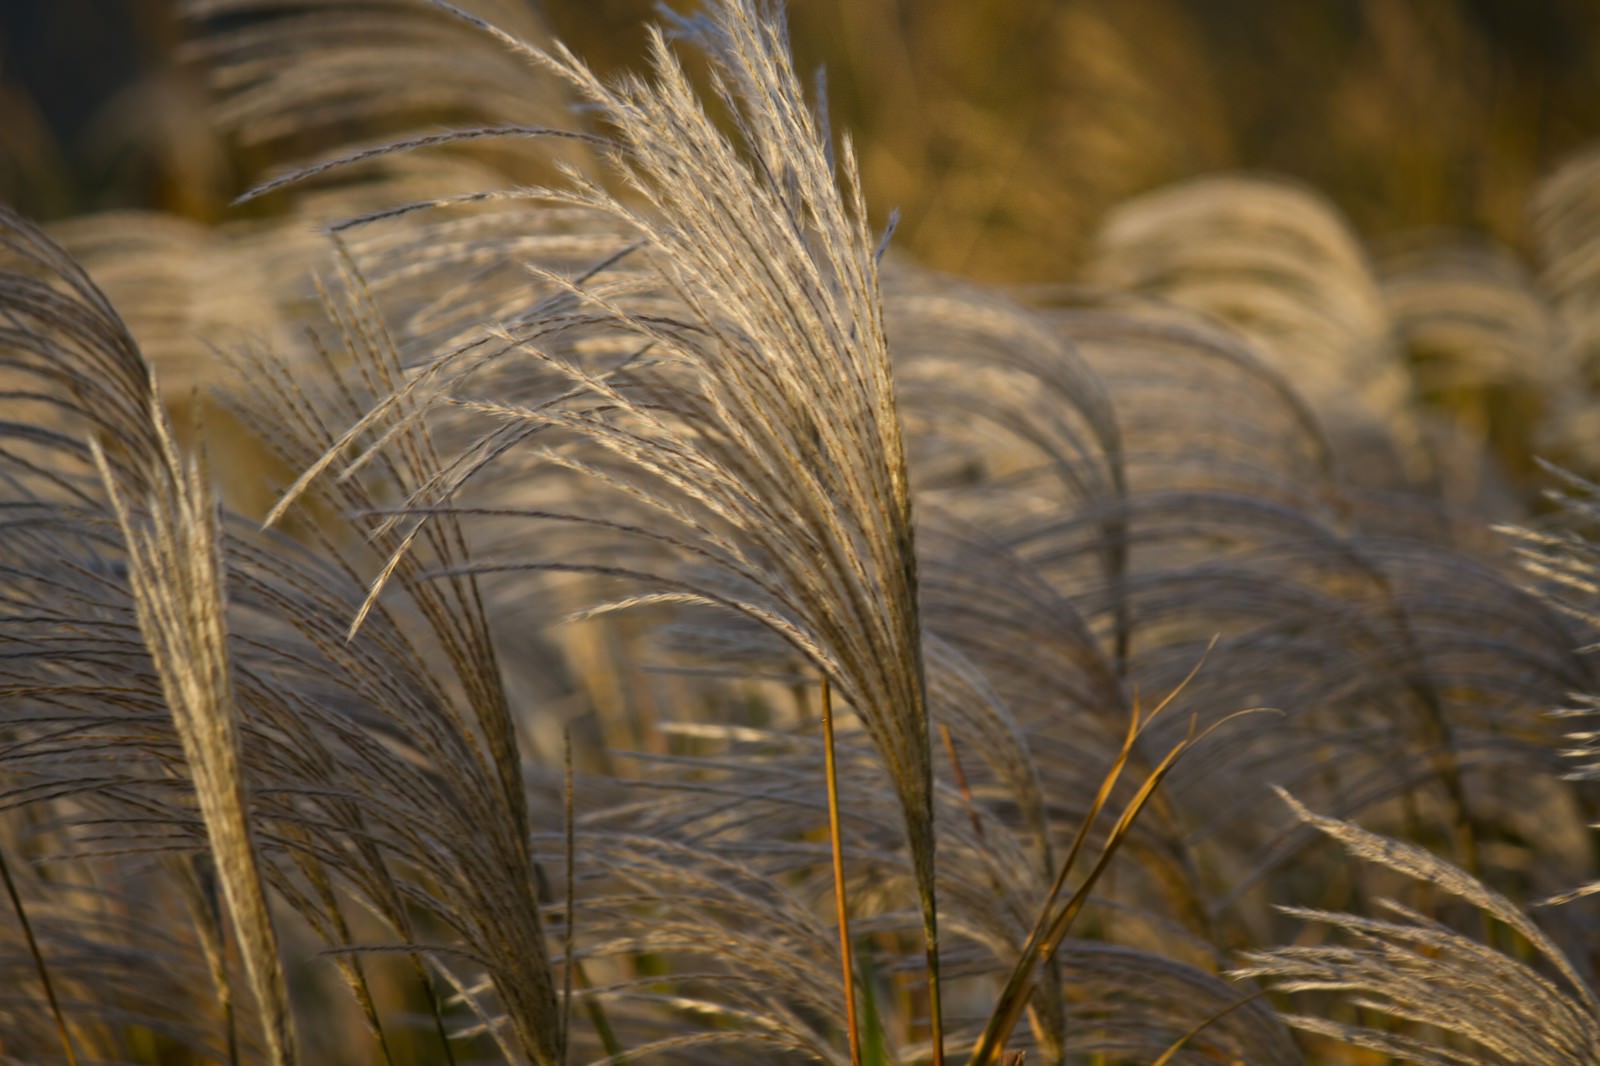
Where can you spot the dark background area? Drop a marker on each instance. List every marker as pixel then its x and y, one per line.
pixel 1003 131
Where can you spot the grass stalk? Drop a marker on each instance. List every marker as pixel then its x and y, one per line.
pixel 568 947
pixel 852 1026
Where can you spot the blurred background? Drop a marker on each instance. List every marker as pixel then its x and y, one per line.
pixel 1003 131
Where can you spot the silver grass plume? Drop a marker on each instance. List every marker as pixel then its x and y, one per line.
pixel 382 776
pixel 297 78
pixel 62 330
pixel 177 575
pixel 1434 981
pixel 761 434
pixel 1278 262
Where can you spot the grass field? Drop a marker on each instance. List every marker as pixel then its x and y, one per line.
pixel 546 577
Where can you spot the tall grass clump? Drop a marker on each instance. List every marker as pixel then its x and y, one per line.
pixel 671 627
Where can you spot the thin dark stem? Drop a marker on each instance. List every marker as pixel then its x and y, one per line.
pixel 38 961
pixel 438 1012
pixel 568 948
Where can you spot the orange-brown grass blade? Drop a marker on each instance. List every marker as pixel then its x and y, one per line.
pixel 1052 925
pixel 1019 986
pixel 961 780
pixel 840 903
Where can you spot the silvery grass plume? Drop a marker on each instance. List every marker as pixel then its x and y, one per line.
pixel 176 575
pixel 1444 996
pixel 1447 998
pixel 673 394
pixel 1265 481
pixel 1278 262
pixel 1485 352
pixel 1561 556
pixel 1362 617
pixel 1358 616
pixel 1348 611
pixel 1566 223
pixel 755 422
pixel 1566 227
pixel 64 334
pixel 728 403
pixel 736 826
pixel 378 774
pixel 291 81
